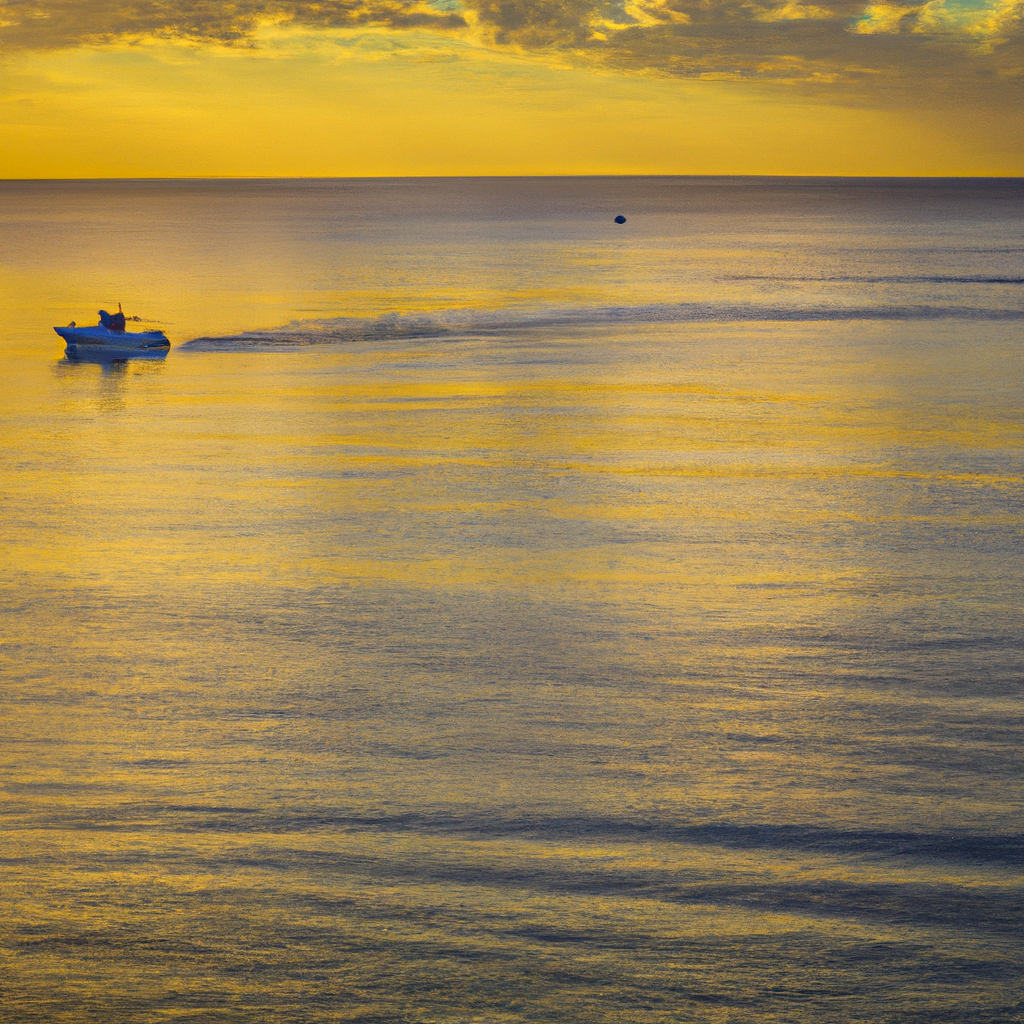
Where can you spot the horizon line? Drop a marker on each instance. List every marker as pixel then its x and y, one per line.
pixel 515 177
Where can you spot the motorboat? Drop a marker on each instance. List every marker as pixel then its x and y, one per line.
pixel 101 342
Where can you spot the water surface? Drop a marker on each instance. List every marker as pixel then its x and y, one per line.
pixel 490 612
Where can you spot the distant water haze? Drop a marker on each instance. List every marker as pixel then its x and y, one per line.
pixel 488 611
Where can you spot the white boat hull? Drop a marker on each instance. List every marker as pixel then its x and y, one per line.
pixel 100 343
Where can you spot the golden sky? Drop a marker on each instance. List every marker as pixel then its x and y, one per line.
pixel 388 87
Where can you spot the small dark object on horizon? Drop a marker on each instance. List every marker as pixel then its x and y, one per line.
pixel 620 219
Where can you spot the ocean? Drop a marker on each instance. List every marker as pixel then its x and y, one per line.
pixel 491 612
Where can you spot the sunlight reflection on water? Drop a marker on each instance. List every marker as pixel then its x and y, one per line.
pixel 582 672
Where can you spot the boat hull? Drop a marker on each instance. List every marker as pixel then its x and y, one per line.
pixel 97 343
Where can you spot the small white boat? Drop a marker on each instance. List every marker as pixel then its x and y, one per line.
pixel 102 343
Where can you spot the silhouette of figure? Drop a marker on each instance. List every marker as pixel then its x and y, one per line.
pixel 112 321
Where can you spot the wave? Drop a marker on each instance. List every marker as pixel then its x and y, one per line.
pixel 953 845
pixel 491 323
pixel 888 279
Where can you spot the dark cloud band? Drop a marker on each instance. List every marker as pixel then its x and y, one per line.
pixel 56 24
pixel 873 46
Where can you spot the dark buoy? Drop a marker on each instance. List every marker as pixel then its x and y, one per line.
pixel 620 219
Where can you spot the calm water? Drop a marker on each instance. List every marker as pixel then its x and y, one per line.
pixel 487 612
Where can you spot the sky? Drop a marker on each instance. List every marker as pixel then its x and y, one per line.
pixel 164 88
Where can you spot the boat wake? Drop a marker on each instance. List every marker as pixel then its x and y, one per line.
pixel 464 323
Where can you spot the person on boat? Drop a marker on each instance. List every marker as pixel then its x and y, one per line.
pixel 112 321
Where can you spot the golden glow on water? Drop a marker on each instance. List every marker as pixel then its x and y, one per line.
pixel 654 671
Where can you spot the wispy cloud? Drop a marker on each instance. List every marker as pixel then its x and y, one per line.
pixel 877 44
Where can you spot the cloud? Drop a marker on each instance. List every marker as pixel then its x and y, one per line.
pixel 58 24
pixel 884 18
pixel 943 45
